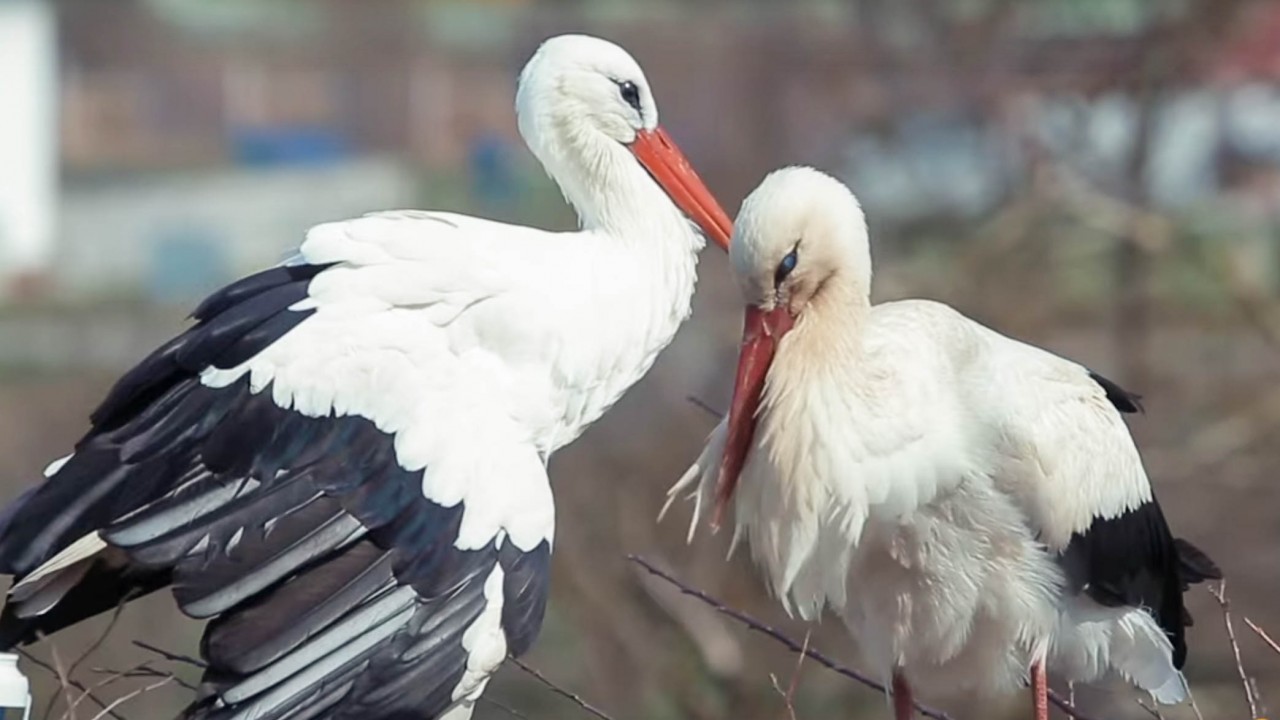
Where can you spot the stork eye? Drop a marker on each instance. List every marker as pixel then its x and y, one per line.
pixel 630 94
pixel 785 267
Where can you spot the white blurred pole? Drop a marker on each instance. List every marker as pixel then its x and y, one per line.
pixel 15 691
pixel 28 137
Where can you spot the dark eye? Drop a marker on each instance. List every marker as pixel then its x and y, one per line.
pixel 630 94
pixel 785 267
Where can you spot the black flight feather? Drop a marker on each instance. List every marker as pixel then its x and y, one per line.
pixel 1125 401
pixel 283 527
pixel 1134 560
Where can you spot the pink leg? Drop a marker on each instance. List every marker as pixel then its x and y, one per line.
pixel 1040 690
pixel 903 706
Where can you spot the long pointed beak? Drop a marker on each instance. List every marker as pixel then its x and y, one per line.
pixel 761 332
pixel 664 161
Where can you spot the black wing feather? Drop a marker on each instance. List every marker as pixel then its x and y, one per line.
pixel 1134 560
pixel 1125 401
pixel 283 528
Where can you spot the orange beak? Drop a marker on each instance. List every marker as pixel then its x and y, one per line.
pixel 664 161
pixel 761 332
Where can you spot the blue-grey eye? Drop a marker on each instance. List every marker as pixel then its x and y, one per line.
pixel 630 94
pixel 785 267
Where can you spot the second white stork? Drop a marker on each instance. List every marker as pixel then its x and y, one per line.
pixel 972 507
pixel 342 463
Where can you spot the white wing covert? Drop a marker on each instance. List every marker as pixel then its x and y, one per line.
pixel 323 465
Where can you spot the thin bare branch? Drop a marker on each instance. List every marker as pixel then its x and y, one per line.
pixel 64 682
pixel 1220 594
pixel 75 684
pixel 1150 709
pixel 1257 697
pixel 505 708
pixel 561 691
pixel 167 655
pixel 146 671
pixel 112 677
pixel 777 687
pixel 129 696
pixel 1262 634
pixel 703 404
pixel 1195 706
pixel 790 644
pixel 796 647
pixel 97 643
pixel 795 675
pixel 789 695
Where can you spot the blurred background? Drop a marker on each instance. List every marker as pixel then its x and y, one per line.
pixel 1101 177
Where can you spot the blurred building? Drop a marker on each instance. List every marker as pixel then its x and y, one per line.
pixel 163 97
pixel 28 141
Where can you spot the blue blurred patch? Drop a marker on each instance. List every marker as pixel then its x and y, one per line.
pixel 287 145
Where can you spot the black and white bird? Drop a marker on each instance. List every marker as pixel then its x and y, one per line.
pixel 342 463
pixel 972 507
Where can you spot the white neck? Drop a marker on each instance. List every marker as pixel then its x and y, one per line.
pixel 614 195
pixel 645 250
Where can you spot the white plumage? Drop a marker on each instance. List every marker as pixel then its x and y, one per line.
pixel 968 504
pixel 343 462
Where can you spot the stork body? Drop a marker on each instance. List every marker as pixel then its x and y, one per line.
pixel 342 463
pixel 972 507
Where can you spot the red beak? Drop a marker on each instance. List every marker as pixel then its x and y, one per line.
pixel 761 332
pixel 664 161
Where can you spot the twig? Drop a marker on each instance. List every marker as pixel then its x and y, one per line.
pixel 823 660
pixel 1257 696
pixel 112 677
pixel 1220 594
pixel 792 645
pixel 145 670
pixel 788 695
pixel 1195 706
pixel 50 669
pixel 795 675
pixel 129 696
pixel 561 691
pixel 504 708
pixel 699 402
pixel 64 682
pixel 1152 711
pixel 1262 634
pixel 102 637
pixel 186 659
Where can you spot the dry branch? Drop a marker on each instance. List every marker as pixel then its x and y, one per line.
pixel 796 647
pixel 74 683
pixel 1262 634
pixel 705 406
pixel 129 696
pixel 777 635
pixel 789 695
pixel 64 682
pixel 1151 710
pixel 112 677
pixel 1220 594
pixel 504 708
pixel 572 697
pixel 175 657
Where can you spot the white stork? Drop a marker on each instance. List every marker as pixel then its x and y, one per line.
pixel 342 463
pixel 972 507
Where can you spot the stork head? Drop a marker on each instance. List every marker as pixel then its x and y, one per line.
pixel 800 241
pixel 579 97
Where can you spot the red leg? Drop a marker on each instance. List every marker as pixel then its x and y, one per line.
pixel 1040 690
pixel 903 705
